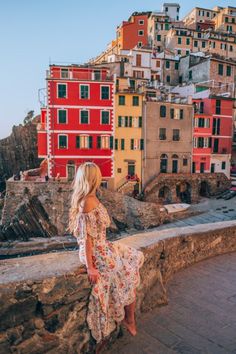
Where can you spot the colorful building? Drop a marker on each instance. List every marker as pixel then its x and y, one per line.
pixel 77 122
pixel 133 32
pixel 212 136
pixel 129 142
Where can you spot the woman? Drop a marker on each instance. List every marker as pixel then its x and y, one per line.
pixel 113 269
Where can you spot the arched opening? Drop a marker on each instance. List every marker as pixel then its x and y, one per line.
pixel 204 189
pixel 183 192
pixel 164 195
pixel 163 163
pixel 175 163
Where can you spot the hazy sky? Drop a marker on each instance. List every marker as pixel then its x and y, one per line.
pixel 33 32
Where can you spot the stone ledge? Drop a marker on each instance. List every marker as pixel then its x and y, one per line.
pixel 43 298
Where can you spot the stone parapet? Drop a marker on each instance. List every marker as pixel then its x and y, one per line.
pixel 44 298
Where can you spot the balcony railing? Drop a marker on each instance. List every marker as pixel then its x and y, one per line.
pixel 176 138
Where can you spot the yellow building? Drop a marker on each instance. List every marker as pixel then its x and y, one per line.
pixel 129 143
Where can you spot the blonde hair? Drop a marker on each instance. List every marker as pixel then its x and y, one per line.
pixel 87 179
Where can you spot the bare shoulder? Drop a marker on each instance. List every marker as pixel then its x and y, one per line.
pixel 89 203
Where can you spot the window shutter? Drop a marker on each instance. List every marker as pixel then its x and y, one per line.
pixel 111 142
pixel 140 122
pixel 90 142
pixel 116 144
pixel 99 142
pixel 130 121
pixel 141 144
pixel 132 144
pixel 119 121
pixel 126 121
pixel 78 142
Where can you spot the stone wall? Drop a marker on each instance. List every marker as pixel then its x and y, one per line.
pixel 126 212
pixel 195 184
pixel 43 309
pixel 19 150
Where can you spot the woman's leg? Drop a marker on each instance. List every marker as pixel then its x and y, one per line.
pixel 129 320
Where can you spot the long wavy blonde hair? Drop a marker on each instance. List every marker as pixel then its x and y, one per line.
pixel 87 179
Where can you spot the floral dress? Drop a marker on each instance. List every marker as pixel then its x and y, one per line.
pixel 118 267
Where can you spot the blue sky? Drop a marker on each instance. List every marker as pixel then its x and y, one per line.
pixel 34 32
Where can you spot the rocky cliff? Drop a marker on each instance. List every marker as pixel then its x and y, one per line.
pixel 19 150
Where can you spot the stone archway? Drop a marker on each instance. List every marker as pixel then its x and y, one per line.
pixel 204 189
pixel 184 192
pixel 164 195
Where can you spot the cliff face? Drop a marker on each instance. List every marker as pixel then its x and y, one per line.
pixel 18 152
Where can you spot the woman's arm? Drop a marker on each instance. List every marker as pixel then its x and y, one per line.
pixel 92 271
pixel 88 204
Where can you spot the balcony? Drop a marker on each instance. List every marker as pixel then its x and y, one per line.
pixel 162 137
pixel 176 138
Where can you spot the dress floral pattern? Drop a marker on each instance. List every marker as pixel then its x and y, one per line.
pixel 118 267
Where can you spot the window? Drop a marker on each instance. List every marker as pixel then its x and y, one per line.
pixel 77 142
pixel 176 136
pixel 141 22
pixel 138 59
pixel 226 19
pixel 61 90
pixel 84 117
pixel 84 142
pixel 140 32
pixel 141 144
pixel 203 44
pixel 166 26
pixel 201 122
pixel 105 142
pixel 179 51
pixel 84 91
pixel 176 66
pixel 126 121
pixel 122 141
pixel 187 41
pixel 62 142
pixel 181 114
pixel 62 116
pixel 199 35
pixel 231 48
pixel 167 64
pixel 135 100
pixel 185 162
pixel 97 75
pixel 105 117
pixel 187 52
pixel 172 113
pixel 208 14
pixel 130 122
pixel 228 70
pixel 218 106
pixel 132 84
pixel 201 109
pixel 121 100
pixel 140 44
pixel 116 144
pixel 64 73
pixel 190 75
pixel 216 126
pixel 166 9
pixel 179 40
pixel 158 37
pixel 162 133
pixel 162 111
pixel 111 140
pixel 119 121
pixel 200 142
pixel 212 167
pixel 223 165
pixel 105 90
pixel 168 78
pixel 195 43
pixel 220 69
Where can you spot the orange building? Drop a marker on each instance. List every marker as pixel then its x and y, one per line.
pixel 133 32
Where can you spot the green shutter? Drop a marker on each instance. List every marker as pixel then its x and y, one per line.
pixel 116 144
pixel 111 142
pixel 140 122
pixel 130 121
pixel 132 144
pixel 99 142
pixel 141 144
pixel 90 142
pixel 119 121
pixel 78 142
pixel 122 144
pixel 126 121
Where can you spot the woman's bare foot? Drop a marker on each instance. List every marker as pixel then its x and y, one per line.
pixel 131 327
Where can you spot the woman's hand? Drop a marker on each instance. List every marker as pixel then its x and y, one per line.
pixel 93 275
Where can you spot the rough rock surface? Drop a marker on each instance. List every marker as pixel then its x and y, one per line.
pixel 18 152
pixel 54 198
pixel 43 309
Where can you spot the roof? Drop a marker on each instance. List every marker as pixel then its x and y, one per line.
pixel 171 4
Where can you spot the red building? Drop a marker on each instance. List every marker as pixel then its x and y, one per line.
pixel 133 32
pixel 77 123
pixel 212 136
